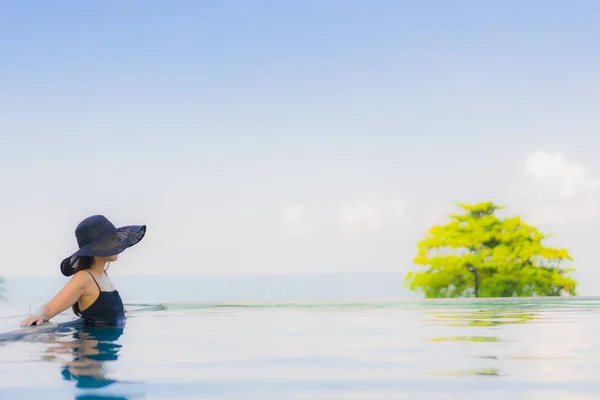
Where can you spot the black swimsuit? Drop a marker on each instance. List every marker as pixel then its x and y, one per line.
pixel 107 310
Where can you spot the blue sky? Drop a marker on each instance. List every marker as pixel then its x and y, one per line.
pixel 297 136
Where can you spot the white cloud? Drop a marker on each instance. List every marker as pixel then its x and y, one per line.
pixel 293 221
pixel 372 213
pixel 555 190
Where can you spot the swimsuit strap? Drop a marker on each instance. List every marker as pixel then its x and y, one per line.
pixel 94 280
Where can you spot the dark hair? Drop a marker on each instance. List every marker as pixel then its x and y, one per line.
pixel 83 263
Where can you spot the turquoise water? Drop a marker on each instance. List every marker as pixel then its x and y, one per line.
pixel 389 350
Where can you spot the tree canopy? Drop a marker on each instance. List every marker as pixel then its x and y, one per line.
pixel 478 254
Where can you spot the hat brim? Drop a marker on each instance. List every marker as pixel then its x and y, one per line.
pixel 122 239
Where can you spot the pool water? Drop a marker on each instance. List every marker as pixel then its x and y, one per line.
pixel 429 350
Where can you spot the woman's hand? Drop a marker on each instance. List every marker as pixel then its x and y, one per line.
pixel 33 320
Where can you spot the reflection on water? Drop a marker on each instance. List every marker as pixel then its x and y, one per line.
pixel 484 318
pixel 481 318
pixel 491 317
pixel 91 348
pixel 84 354
pixel 456 351
pixel 484 372
pixel 466 339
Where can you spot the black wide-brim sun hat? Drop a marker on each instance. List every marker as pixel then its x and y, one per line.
pixel 98 237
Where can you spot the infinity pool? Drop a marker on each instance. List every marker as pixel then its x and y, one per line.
pixel 429 350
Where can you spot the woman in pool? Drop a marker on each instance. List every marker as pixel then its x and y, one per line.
pixel 90 292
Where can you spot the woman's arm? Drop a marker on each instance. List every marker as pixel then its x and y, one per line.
pixel 68 296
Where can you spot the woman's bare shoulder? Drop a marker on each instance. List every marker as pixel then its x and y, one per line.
pixel 81 278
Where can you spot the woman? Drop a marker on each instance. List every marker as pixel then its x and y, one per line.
pixel 90 292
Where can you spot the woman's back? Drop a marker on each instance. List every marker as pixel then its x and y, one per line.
pixel 106 310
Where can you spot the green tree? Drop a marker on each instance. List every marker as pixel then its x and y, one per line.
pixel 478 254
